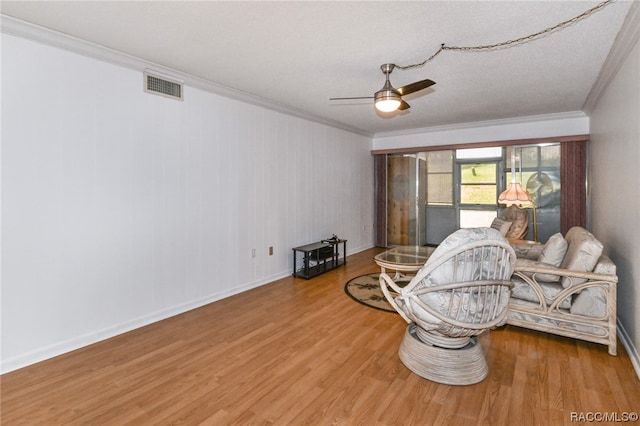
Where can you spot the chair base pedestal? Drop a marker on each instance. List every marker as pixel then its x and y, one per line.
pixel 463 366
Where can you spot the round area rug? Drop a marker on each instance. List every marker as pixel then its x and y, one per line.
pixel 365 289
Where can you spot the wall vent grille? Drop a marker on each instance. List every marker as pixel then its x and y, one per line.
pixel 160 85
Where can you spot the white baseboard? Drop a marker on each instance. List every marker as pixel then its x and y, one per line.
pixel 69 345
pixel 42 354
pixel 632 351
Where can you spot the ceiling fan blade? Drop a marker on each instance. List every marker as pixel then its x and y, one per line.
pixel 403 106
pixel 414 87
pixel 356 97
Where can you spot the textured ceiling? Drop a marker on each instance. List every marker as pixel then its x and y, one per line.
pixel 300 54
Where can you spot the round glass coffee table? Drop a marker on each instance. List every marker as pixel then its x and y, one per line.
pixel 404 258
pixel 406 261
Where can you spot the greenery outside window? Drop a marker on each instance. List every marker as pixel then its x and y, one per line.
pixel 478 172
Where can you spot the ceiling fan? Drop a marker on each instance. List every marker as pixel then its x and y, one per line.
pixel 388 98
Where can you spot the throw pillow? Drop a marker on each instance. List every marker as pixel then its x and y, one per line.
pixel 553 254
pixel 582 255
pixel 501 226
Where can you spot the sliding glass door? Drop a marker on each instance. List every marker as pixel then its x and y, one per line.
pixel 441 215
pixel 478 177
pixel 431 194
pixel 406 199
pixel 420 198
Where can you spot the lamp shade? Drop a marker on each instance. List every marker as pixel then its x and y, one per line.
pixel 387 100
pixel 514 194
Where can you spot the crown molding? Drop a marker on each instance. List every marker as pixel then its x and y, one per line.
pixel 489 123
pixel 39 34
pixel 624 42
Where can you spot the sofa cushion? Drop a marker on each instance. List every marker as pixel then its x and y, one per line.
pixel 605 266
pixel 523 291
pixel 447 271
pixel 582 254
pixel 591 302
pixel 444 273
pixel 553 254
pixel 501 226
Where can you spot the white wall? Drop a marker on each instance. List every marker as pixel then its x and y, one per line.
pixel 615 177
pixel 120 208
pixel 543 126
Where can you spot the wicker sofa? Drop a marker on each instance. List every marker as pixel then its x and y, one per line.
pixel 565 287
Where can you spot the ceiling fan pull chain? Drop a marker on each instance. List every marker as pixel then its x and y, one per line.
pixel 509 43
pixel 406 67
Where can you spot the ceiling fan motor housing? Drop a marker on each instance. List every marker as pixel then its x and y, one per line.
pixel 388 92
pixel 387 99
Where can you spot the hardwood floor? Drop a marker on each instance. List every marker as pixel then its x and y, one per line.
pixel 302 352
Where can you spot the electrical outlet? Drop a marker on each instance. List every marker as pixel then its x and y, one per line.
pixel 253 252
pixel 271 251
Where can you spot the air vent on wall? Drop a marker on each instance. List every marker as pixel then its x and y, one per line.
pixel 161 85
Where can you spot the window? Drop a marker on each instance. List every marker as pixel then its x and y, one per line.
pixel 537 168
pixel 478 183
pixel 440 178
pixel 431 194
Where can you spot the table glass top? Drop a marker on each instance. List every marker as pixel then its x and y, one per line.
pixel 406 255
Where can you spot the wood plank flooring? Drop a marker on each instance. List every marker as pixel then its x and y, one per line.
pixel 298 352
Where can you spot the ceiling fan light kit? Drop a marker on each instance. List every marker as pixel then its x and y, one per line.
pixel 389 99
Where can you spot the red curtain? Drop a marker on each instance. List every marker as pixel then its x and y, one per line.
pixel 380 167
pixel 573 181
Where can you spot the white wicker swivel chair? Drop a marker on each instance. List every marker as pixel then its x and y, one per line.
pixel 461 291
